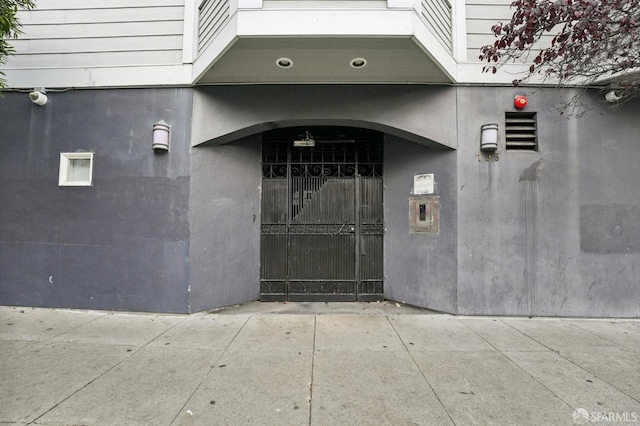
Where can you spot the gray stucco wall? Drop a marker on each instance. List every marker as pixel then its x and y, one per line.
pixel 552 233
pixel 401 110
pixel 122 243
pixel 420 269
pixel 225 223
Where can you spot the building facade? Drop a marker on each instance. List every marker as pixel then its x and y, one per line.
pixel 192 155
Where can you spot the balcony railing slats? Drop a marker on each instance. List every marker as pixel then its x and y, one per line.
pixel 437 16
pixel 214 14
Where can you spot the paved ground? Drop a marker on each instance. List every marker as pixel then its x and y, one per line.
pixel 315 364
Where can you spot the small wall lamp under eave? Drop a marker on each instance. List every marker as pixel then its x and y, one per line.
pixel 38 96
pixel 612 96
pixel 489 137
pixel 161 133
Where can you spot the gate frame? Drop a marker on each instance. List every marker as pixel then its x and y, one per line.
pixel 266 284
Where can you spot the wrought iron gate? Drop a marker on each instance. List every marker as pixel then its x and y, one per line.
pixel 322 217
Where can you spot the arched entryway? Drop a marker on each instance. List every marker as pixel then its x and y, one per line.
pixel 321 214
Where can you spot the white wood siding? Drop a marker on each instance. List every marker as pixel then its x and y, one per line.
pixel 105 33
pixel 481 16
pixel 437 16
pixel 212 17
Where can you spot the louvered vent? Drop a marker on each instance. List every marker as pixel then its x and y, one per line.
pixel 520 131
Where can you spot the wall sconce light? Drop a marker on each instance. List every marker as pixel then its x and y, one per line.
pixel 161 132
pixel 489 137
pixel 38 96
pixel 612 96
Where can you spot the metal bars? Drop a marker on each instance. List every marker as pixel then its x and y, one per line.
pixel 322 227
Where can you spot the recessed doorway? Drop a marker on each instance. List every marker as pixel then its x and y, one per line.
pixel 322 215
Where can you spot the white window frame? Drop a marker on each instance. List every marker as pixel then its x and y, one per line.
pixel 66 158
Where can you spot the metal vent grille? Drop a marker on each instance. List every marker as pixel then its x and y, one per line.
pixel 521 131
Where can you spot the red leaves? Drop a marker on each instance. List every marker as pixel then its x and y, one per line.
pixel 590 37
pixel 492 69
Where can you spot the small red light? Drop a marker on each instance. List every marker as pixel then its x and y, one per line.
pixel 520 102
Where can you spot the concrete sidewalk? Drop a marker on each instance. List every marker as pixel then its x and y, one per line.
pixel 315 364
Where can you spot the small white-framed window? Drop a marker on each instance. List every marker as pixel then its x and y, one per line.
pixel 76 169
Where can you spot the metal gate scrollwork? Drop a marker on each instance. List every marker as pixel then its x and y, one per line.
pixel 322 216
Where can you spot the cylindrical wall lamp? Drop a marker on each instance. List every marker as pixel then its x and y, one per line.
pixel 38 97
pixel 161 131
pixel 489 137
pixel 612 96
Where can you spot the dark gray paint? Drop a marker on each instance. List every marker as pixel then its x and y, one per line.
pixel 550 233
pixel 122 243
pixel 225 224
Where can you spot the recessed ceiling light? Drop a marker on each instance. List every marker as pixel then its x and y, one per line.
pixel 358 62
pixel 284 62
